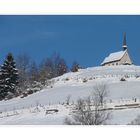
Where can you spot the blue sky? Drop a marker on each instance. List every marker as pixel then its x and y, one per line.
pixel 86 39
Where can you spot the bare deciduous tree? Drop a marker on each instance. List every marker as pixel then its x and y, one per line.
pixel 100 92
pixel 68 99
pixel 33 72
pixel 75 67
pixel 23 65
pixel 91 111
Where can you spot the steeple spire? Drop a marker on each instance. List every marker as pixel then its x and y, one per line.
pixel 124 42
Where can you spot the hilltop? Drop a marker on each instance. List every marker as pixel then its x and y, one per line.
pixel 77 85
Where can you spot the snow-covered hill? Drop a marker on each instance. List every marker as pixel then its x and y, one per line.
pixel 76 85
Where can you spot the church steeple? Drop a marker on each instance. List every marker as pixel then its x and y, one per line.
pixel 124 42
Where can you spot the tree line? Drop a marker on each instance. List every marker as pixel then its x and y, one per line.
pixel 23 76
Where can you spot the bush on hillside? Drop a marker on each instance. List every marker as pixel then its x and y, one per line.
pixel 122 79
pixel 85 80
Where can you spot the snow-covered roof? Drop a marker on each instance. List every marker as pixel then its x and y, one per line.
pixel 114 57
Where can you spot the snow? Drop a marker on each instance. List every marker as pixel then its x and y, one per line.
pixel 124 117
pixel 29 116
pixel 114 57
pixel 32 116
pixel 71 84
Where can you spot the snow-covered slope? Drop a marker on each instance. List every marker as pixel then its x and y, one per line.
pixel 78 85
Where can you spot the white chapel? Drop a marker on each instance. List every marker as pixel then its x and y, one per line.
pixel 118 58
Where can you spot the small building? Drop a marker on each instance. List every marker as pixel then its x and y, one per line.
pixel 118 58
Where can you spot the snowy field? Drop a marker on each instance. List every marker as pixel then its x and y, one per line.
pixel 32 109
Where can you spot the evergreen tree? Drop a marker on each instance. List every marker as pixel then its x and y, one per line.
pixel 8 78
